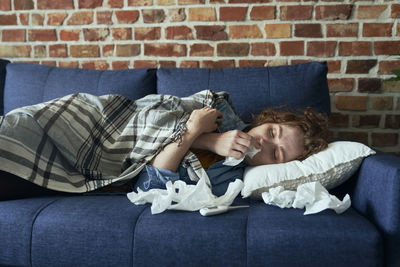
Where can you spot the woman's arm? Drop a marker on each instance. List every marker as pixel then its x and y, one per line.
pixel 233 143
pixel 200 121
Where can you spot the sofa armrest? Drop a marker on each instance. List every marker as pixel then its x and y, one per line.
pixel 376 195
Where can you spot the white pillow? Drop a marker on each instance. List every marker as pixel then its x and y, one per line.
pixel 330 167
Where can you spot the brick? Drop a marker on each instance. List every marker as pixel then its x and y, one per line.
pixel 356 103
pixel 392 86
pixel 340 84
pixel 190 2
pixel 39 51
pixel 355 48
pixel 361 137
pixel 8 19
pixel 178 33
pixel 297 12
pixel 218 64
pixel 108 50
pixel 385 67
pixel 42 35
pixel 153 15
pixel 232 13
pixel 189 64
pixel 15 51
pixel 381 102
pixel 122 33
pixel 342 30
pixel 202 14
pixel 338 120
pixel 334 66
pixel 13 35
pixel 384 139
pixel 37 20
pixel 360 66
pixel 145 64
pixel 120 65
pixel 104 17
pixel 84 51
pixel 95 65
pixel 291 48
pixel 165 2
pixel 370 11
pixel 392 121
pixel 395 12
pixel 64 4
pixel 333 12
pixel 263 49
pixel 90 3
pixel 321 49
pixel 262 13
pixel 127 16
pixel 24 18
pixel 52 63
pixel 56 19
pixel 166 64
pixel 115 3
pixel 140 2
pixel 252 63
pixel 387 47
pixel 212 33
pixel 69 35
pixel 366 121
pixel 95 34
pixel 5 5
pixel 147 33
pixel 308 30
pixel 248 1
pixel 245 32
pixel 176 14
pixel 369 85
pixel 377 29
pixel 127 50
pixel 58 50
pixel 81 18
pixel 278 30
pixel 232 49
pixel 23 4
pixel 165 49
pixel 201 50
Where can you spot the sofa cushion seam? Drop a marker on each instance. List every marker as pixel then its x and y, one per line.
pixel 33 223
pixel 134 232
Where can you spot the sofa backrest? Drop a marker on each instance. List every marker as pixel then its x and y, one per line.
pixel 29 84
pixel 3 64
pixel 253 89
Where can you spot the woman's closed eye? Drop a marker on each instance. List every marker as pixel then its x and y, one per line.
pixel 271 132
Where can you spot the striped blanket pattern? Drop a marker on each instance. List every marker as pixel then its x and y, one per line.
pixel 81 142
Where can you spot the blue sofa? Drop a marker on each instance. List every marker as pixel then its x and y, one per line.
pixel 108 230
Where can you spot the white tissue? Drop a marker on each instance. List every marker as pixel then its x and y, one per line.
pixel 231 161
pixel 186 197
pixel 313 196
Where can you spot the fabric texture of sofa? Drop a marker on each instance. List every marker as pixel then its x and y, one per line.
pixel 108 230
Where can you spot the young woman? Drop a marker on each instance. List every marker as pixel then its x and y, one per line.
pixel 280 136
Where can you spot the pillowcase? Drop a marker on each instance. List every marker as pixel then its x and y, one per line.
pixel 331 167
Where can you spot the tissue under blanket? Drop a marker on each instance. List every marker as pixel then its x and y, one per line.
pixel 81 142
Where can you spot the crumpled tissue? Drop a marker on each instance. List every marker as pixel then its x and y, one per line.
pixel 231 161
pixel 181 196
pixel 313 196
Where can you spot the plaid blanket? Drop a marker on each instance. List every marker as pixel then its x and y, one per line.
pixel 81 142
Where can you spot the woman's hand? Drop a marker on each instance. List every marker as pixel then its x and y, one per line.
pixel 203 120
pixel 233 143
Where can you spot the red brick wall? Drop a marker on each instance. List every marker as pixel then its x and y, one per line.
pixel 355 37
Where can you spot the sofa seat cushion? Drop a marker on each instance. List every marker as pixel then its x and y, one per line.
pixel 46 83
pixel 253 89
pixel 111 231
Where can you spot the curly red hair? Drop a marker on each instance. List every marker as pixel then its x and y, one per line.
pixel 313 124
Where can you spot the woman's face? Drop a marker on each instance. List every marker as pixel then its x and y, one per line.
pixel 278 142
